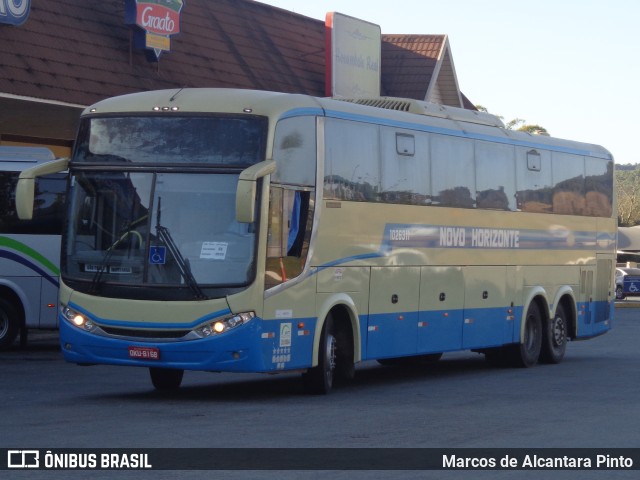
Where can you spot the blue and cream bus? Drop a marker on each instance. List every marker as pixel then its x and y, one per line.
pixel 29 250
pixel 249 231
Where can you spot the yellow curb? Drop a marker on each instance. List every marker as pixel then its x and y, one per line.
pixel 624 304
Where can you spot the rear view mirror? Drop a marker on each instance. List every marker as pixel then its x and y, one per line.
pixel 246 192
pixel 25 190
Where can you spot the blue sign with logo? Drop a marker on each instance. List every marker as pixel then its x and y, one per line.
pixel 157 255
pixel 632 285
pixel 14 12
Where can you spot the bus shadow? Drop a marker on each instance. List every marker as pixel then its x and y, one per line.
pixel 369 376
pixel 37 341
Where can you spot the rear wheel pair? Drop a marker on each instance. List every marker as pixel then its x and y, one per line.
pixel 554 338
pixel 543 341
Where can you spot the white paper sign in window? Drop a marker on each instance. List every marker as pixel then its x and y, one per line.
pixel 214 250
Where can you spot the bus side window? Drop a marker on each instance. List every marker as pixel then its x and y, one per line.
pixel 290 220
pixel 533 181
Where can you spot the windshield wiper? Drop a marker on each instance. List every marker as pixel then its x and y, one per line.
pixel 164 236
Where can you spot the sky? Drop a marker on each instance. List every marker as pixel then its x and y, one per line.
pixel 570 66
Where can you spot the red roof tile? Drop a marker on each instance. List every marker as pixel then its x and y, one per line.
pixel 408 63
pixel 80 51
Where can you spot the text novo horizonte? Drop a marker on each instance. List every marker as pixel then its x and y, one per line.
pixel 479 237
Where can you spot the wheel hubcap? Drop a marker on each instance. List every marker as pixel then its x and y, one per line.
pixel 331 355
pixel 558 331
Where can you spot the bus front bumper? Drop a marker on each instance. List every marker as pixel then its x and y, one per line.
pixel 252 347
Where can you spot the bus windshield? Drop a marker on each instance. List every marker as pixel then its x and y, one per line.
pixel 152 207
pixel 147 230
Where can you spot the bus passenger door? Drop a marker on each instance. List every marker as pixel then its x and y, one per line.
pixel 441 309
pixel 487 322
pixel 393 311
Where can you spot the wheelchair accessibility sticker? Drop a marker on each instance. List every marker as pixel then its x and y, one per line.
pixel 157 255
pixel 633 288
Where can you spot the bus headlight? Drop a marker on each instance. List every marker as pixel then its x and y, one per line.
pixel 77 319
pixel 223 324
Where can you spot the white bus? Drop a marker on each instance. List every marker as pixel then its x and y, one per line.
pixel 236 230
pixel 29 250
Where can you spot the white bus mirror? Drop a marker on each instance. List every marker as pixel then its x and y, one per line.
pixel 25 190
pixel 246 192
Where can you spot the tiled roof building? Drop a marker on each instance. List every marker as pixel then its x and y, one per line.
pixel 410 60
pixel 72 53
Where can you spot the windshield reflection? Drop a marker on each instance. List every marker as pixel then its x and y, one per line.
pixel 146 229
pixel 211 140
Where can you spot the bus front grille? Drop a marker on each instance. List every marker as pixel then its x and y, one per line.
pixel 146 333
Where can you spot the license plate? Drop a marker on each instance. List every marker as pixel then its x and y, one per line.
pixel 144 353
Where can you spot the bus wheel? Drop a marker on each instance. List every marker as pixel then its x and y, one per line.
pixel 526 354
pixel 319 379
pixel 619 292
pixel 345 367
pixel 166 378
pixel 554 338
pixel 9 323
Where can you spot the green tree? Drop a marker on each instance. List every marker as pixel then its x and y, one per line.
pixel 534 129
pixel 628 190
pixel 518 124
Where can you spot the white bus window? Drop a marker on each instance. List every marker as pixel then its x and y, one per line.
pixel 568 184
pixel 294 151
pixel 598 187
pixel 495 176
pixel 352 167
pixel 452 172
pixel 405 167
pixel 533 187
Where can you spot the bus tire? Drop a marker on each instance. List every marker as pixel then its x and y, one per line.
pixel 9 323
pixel 345 367
pixel 319 379
pixel 526 354
pixel 554 338
pixel 619 292
pixel 166 378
